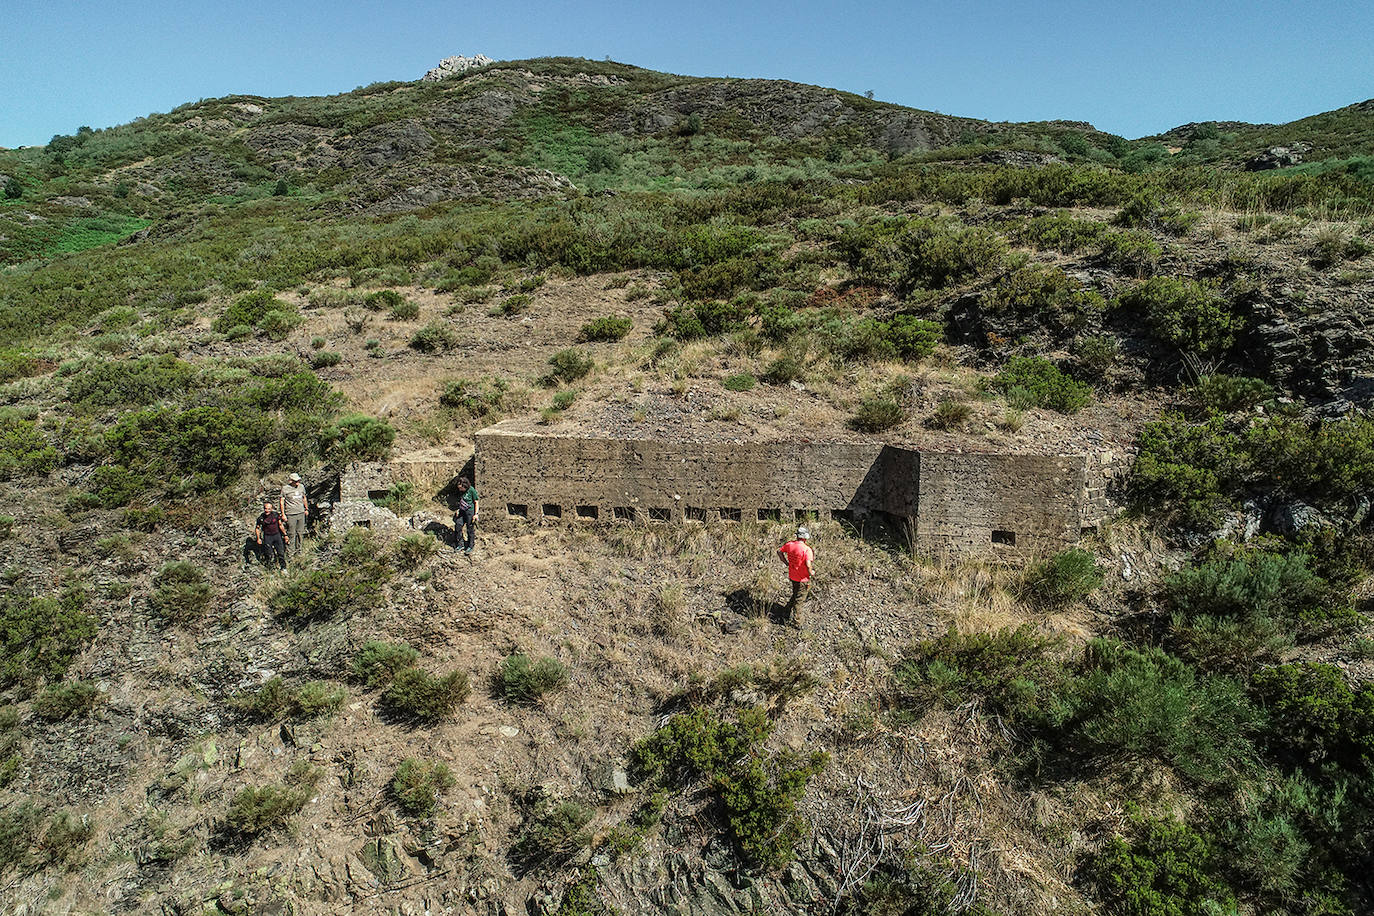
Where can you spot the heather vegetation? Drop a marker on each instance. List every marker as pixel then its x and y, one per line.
pixel 1175 716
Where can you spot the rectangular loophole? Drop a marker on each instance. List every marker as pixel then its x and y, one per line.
pixel 660 514
pixel 624 513
pixel 553 510
pixel 770 515
pixel 517 510
pixel 806 515
pixel 843 515
pixel 731 514
pixel 1087 530
pixel 587 512
pixel 696 514
pixel 377 495
pixel 1004 537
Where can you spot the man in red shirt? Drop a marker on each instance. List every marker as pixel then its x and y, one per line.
pixel 798 556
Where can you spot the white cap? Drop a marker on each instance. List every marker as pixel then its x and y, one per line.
pixel 803 534
pixel 296 477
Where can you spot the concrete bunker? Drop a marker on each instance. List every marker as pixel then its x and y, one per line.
pixel 951 502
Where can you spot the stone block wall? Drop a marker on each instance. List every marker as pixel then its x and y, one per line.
pixel 957 503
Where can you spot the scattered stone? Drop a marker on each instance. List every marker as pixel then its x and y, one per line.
pixel 452 66
pixel 508 731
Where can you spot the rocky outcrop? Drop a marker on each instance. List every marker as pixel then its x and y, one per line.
pixel 452 66
pixel 1277 157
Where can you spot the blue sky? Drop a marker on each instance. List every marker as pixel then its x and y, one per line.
pixel 1132 69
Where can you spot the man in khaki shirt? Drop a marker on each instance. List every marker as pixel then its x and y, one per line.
pixel 294 506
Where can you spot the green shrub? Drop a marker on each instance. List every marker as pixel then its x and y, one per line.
pixel 435 337
pixel 783 371
pixel 1131 251
pixel 1147 210
pixel 194 450
pixel 357 437
pixel 18 834
pixel 6 526
pixel 330 591
pixel 1033 381
pixel 1187 470
pixel 66 837
pixel 1184 313
pixel 552 833
pixel 758 791
pixel 919 253
pixel 413 550
pixel 876 414
pixel 1315 718
pixel 417 785
pixel 384 300
pixel 260 310
pixel 567 366
pixel 1230 393
pixel 405 310
pixel 1251 584
pixel 476 398
pixel 511 305
pixel 1047 296
pixel 706 319
pixel 417 694
pixel 255 811
pixel 950 414
pixel 100 383
pixel 743 381
pixel 323 359
pixel 1148 704
pixel 377 663
pixel 64 701
pixel 1062 579
pixel 524 680
pixel 600 159
pixel 902 337
pixel 1013 671
pixel 181 592
pixel 276 700
pixel 23 449
pixel 1164 869
pixel 13 189
pixel 564 399
pixel 40 637
pixel 606 328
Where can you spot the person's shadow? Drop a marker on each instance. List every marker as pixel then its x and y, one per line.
pixel 252 551
pixel 745 603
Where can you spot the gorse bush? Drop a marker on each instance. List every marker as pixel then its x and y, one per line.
pixel 65 701
pixel 23 449
pixel 1184 313
pixel 1229 393
pixel 568 366
pixel 705 319
pixel 413 550
pixel 419 695
pixel 1162 869
pixel 903 337
pixel 40 637
pixel 360 438
pixel 255 811
pixel 1033 381
pixel 606 328
pixel 181 592
pixel 525 680
pixel 877 414
pixel 417 785
pixel 1013 671
pixel 476 398
pixel 435 337
pixel 758 791
pixel 258 310
pixel 553 831
pixel 1045 295
pixel 918 253
pixel 1316 719
pixel 377 663
pixel 276 700
pixel 330 591
pixel 385 300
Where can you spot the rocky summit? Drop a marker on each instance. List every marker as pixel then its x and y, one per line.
pixel 564 352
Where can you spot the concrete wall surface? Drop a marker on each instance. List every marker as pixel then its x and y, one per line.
pixel 953 502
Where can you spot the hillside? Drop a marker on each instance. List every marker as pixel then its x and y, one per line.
pixel 1176 716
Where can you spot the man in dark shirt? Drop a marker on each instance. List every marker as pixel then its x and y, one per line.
pixel 270 535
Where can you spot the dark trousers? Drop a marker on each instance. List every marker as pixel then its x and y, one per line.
pixel 464 529
pixel 274 545
pixel 800 591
